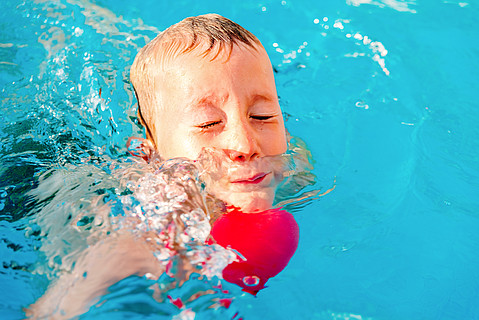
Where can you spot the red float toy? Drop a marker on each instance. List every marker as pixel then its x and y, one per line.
pixel 265 241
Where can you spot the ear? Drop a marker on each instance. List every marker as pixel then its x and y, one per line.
pixel 141 148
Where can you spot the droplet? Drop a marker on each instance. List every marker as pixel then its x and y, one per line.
pixel 251 281
pixel 362 104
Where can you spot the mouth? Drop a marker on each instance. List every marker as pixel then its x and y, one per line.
pixel 256 179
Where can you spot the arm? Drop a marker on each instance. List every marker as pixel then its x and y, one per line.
pixel 103 264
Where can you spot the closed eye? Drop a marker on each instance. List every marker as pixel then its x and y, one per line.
pixel 261 117
pixel 208 124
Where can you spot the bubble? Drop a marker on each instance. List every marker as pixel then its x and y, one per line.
pixel 251 281
pixel 338 25
pixel 358 36
pixel 362 104
pixel 78 31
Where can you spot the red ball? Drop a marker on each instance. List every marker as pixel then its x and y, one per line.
pixel 266 240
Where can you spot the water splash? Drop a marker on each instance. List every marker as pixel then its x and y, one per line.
pixel 67 112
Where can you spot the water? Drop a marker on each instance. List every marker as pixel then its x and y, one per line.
pixel 382 93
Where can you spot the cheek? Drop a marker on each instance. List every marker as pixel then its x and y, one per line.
pixel 173 142
pixel 191 146
pixel 183 146
pixel 273 142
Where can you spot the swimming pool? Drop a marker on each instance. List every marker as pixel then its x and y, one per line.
pixel 382 92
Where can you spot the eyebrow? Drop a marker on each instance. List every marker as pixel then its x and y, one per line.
pixel 206 99
pixel 261 97
pixel 212 98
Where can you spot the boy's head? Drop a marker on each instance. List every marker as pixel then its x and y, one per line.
pixel 206 82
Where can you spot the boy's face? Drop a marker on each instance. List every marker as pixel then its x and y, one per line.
pixel 230 106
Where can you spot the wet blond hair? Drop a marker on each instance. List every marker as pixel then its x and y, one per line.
pixel 206 35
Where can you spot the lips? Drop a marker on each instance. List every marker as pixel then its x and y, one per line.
pixel 254 179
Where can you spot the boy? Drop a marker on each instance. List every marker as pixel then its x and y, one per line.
pixel 205 90
pixel 206 82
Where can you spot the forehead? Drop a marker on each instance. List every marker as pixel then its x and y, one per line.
pixel 243 71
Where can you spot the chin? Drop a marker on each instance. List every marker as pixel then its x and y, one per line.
pixel 253 201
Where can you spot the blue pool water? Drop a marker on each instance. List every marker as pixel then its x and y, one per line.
pixel 383 92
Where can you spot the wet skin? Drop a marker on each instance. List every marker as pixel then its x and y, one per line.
pixel 229 105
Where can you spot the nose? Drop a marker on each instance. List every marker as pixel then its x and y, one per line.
pixel 241 143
